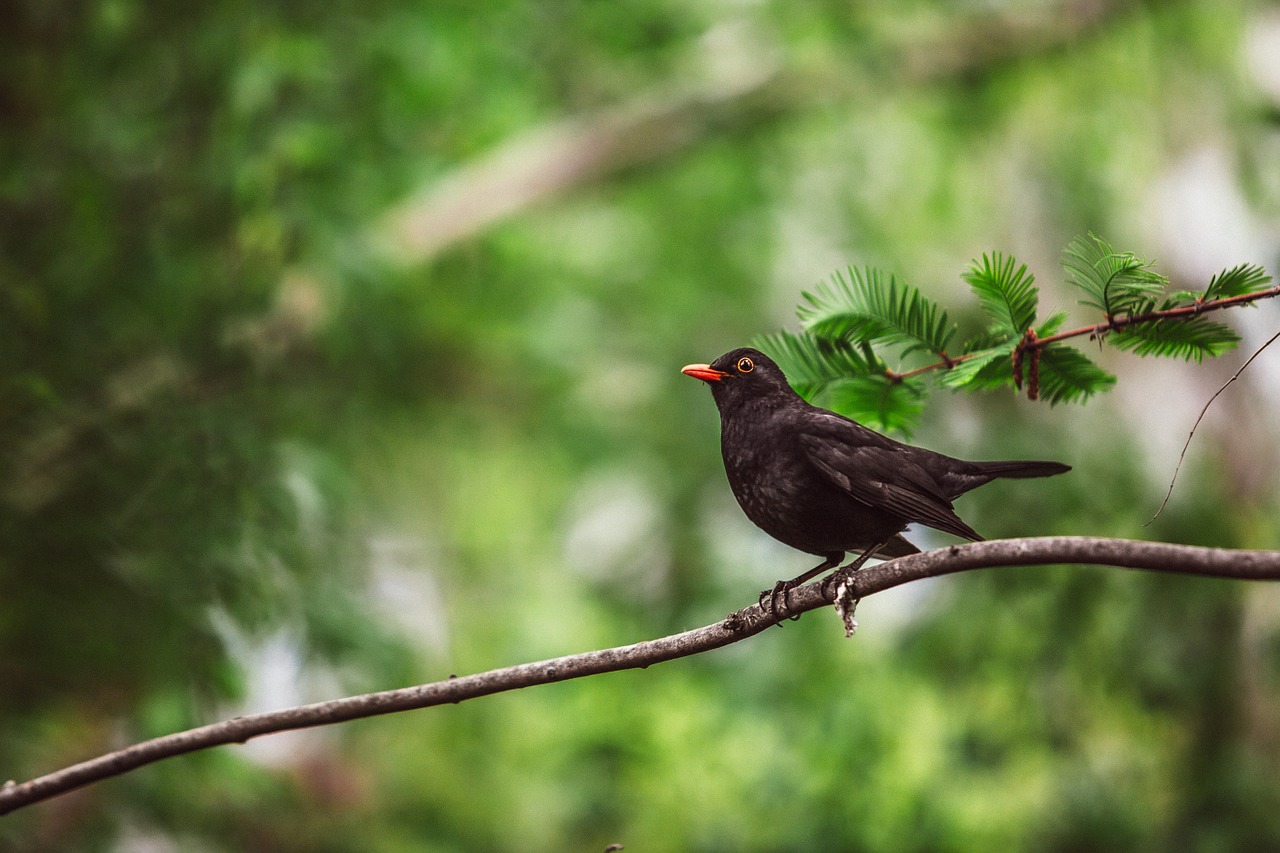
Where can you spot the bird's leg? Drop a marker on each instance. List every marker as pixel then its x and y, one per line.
pixel 845 571
pixel 782 589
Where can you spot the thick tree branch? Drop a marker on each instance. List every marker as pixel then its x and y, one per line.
pixel 1156 556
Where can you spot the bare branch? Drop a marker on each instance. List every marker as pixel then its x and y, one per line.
pixel 1248 565
pixel 1183 455
pixel 1155 556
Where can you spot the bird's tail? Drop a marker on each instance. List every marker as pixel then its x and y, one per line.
pixel 1020 470
pixel 970 475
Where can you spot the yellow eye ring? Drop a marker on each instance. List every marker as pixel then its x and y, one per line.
pixel 746 365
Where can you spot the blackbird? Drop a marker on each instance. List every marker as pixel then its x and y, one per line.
pixel 825 484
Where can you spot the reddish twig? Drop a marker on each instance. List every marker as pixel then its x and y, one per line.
pixel 1182 312
pixel 1097 330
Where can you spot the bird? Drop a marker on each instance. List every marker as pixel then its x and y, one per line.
pixel 823 483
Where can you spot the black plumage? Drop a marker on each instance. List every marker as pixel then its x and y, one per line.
pixel 825 484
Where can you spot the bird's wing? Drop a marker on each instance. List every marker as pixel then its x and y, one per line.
pixel 880 473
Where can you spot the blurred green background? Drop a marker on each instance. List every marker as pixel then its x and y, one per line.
pixel 340 349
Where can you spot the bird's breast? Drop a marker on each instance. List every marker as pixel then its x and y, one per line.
pixel 788 497
pixel 770 476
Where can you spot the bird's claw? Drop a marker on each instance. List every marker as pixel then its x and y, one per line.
pixel 779 600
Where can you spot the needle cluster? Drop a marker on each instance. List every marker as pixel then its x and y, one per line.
pixel 870 343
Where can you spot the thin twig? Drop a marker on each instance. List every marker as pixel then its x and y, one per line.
pixel 1098 330
pixel 1185 312
pixel 1184 559
pixel 1183 455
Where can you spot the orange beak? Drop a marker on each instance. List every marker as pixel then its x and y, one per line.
pixel 705 372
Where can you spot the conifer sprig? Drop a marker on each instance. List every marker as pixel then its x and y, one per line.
pixel 861 321
pixel 872 306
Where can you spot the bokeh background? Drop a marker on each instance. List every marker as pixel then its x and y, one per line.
pixel 340 349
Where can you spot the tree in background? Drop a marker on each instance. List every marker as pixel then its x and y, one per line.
pixel 339 349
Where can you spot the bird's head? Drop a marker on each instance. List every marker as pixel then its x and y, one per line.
pixel 741 376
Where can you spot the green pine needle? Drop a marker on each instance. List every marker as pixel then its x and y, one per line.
pixel 1190 339
pixel 811 364
pixel 1051 326
pixel 986 369
pixel 870 305
pixel 1006 291
pixel 834 362
pixel 1068 375
pixel 1244 278
pixel 847 379
pixel 1113 282
pixel 878 401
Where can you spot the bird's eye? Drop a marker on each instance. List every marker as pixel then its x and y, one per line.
pixel 746 365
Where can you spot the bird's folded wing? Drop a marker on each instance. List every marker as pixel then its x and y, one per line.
pixel 883 476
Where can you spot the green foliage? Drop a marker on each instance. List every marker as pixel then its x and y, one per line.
pixel 814 363
pixel 1006 291
pixel 894 403
pixel 871 305
pixel 1113 282
pixel 247 461
pixel 1240 279
pixel 1190 339
pixel 1068 375
pixel 986 368
pixel 849 379
pixel 835 357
